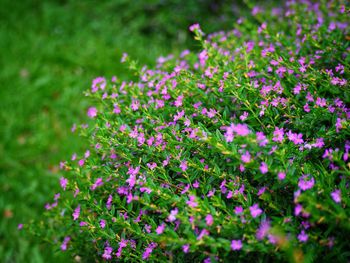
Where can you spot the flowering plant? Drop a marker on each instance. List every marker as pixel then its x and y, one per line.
pixel 235 152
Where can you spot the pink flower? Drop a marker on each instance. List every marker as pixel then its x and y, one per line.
pixel 107 253
pixel 246 157
pixel 303 237
pixel 244 116
pixel 183 165
pixel 178 101
pixel 97 183
pixel 238 210
pixel 76 213
pixel 260 136
pixel 321 102
pixel 135 104
pixel 81 162
pixel 278 135
pixel 124 57
pixel 98 82
pixel 263 168
pixel 64 243
pixel 191 202
pixel 102 223
pixel 240 129
pixel 149 250
pixel 306 182
pixel 306 108
pixel 236 245
pixel 336 196
pixel 131 180
pixel 319 143
pixel 295 138
pixel 186 248
pixel 63 183
pixel 172 216
pixel 229 135
pixel 92 112
pixel 194 27
pixel 160 229
pixel 109 202
pixel 203 233
pixel 209 220
pixel 281 175
pixel 263 229
pixel 255 211
pixel 298 209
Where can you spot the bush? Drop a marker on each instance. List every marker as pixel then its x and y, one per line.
pixel 237 153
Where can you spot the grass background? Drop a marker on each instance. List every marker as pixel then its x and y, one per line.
pixel 50 52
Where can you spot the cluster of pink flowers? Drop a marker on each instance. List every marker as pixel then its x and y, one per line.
pixel 223 151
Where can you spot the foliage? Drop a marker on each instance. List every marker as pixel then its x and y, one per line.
pixel 236 153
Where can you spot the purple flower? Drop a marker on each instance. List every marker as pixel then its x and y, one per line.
pixel 97 183
pixel 64 243
pixel 236 245
pixel 109 202
pixel 263 168
pixel 240 129
pixel 278 135
pixel 178 101
pixel 303 237
pixel 191 202
pixel 160 229
pixel 260 136
pixel 149 250
pixel 81 162
pixel 298 209
pixel 194 27
pixel 229 135
pixel 172 216
pixel 336 195
pixel 263 229
pixel 246 157
pixel 209 220
pixel 238 210
pixel 295 138
pixel 124 57
pixel 135 104
pixel 76 213
pixel 107 253
pixel 92 112
pixel 186 248
pixel 183 165
pixel 63 183
pixel 98 82
pixel 306 182
pixel 131 180
pixel 281 175
pixel 123 243
pixel 261 191
pixel 102 223
pixel 255 211
pixel 203 233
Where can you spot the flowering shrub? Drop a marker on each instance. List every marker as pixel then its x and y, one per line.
pixel 238 152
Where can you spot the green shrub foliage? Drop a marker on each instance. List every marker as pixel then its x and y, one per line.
pixel 236 153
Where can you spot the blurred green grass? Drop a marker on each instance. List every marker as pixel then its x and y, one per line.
pixel 50 52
